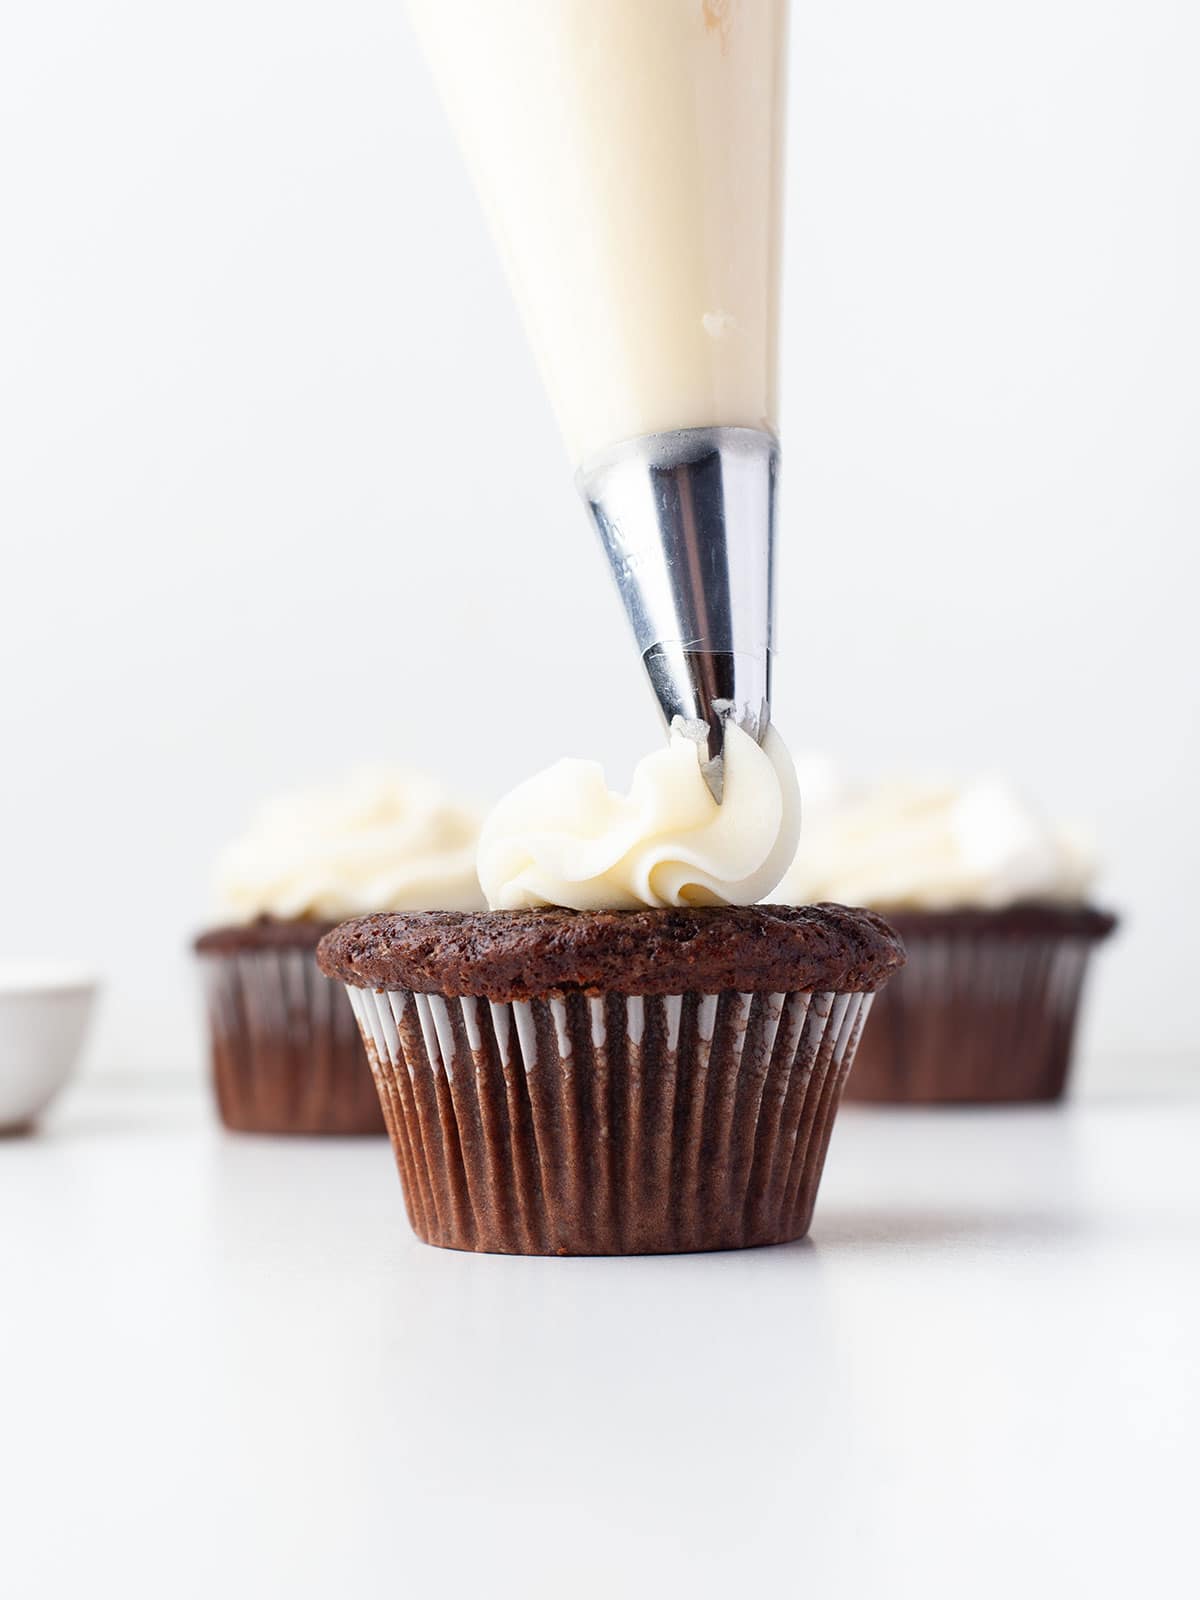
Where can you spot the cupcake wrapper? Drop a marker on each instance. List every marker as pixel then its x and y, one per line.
pixel 975 1018
pixel 610 1125
pixel 286 1051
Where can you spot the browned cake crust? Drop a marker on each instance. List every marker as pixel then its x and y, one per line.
pixel 264 933
pixel 1036 918
pixel 517 955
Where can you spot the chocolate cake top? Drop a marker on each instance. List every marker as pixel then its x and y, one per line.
pixel 1035 918
pixel 516 955
pixel 264 933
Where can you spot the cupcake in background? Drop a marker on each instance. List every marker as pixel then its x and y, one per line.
pixel 993 904
pixel 286 1052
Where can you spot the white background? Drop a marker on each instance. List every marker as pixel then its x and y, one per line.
pixel 279 489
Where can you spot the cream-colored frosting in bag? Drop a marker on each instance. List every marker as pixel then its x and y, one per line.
pixel 630 158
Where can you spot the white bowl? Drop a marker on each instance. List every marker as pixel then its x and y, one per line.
pixel 43 1018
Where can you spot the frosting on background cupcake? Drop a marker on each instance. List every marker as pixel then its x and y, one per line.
pixel 382 840
pixel 563 838
pixel 911 844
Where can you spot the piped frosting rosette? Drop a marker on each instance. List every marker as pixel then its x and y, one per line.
pixel 382 840
pixel 564 838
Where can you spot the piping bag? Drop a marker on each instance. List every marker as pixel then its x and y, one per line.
pixel 629 156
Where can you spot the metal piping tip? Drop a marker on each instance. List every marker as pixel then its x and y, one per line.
pixel 687 522
pixel 700 691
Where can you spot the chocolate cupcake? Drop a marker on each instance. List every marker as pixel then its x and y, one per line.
pixel 616 1059
pixel 986 1008
pixel 286 1051
pixel 611 1082
pixel 989 899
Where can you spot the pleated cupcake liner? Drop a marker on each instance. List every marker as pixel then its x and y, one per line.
pixel 287 1056
pixel 613 1125
pixel 974 1018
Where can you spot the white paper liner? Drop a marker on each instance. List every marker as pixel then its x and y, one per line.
pixel 973 1018
pixel 614 1125
pixel 287 1055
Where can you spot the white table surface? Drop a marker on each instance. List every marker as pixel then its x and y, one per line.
pixel 229 1369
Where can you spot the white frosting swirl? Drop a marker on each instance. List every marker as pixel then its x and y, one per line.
pixel 921 845
pixel 383 840
pixel 563 838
